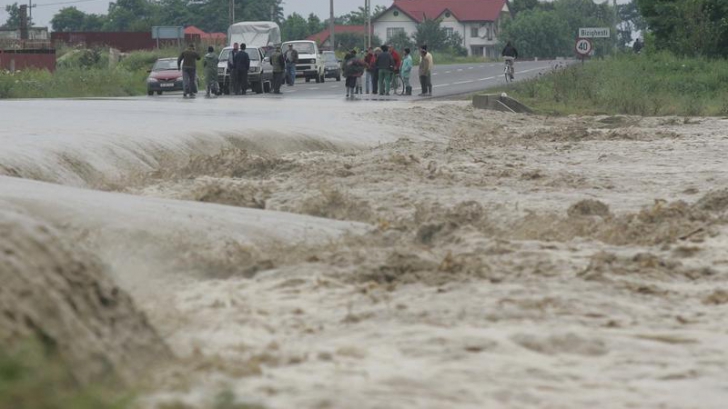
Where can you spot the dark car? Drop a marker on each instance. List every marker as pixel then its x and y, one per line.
pixel 164 76
pixel 332 66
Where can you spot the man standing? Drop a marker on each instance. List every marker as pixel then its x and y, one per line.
pixel 291 57
pixel 406 71
pixel 232 82
pixel 187 62
pixel 211 61
pixel 426 65
pixel 397 62
pixel 369 77
pixel 241 65
pixel 385 66
pixel 279 65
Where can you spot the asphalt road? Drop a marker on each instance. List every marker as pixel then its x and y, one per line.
pixel 447 80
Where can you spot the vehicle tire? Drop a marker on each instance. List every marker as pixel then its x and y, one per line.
pixel 159 92
pixel 308 79
pixel 256 87
pixel 338 78
pixel 150 93
pixel 323 78
pixel 267 87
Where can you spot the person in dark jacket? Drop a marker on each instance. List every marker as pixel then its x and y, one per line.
pixel 353 68
pixel 385 67
pixel 211 61
pixel 187 62
pixel 232 81
pixel 510 54
pixel 241 65
pixel 279 67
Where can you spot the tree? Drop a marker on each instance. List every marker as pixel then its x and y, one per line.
pixel 314 25
pixel 13 21
pixel 294 27
pixel 430 33
pixel 630 20
pixel 400 41
pixel 537 33
pixel 347 41
pixel 69 19
pixel 132 15
pixel 518 6
pixel 688 27
pixel 359 17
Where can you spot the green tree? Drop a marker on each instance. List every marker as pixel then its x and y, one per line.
pixel 518 6
pixel 359 17
pixel 430 32
pixel 348 41
pixel 630 20
pixel 13 21
pixel 132 15
pixel 294 27
pixel 314 25
pixel 400 41
pixel 538 33
pixel 69 19
pixel 688 27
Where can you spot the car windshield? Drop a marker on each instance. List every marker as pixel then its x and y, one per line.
pixel 162 65
pixel 252 53
pixel 302 48
pixel 330 57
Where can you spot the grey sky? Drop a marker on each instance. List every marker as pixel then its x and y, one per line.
pixel 42 13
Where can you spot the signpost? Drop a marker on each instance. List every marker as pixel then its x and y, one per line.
pixel 594 32
pixel 168 33
pixel 583 48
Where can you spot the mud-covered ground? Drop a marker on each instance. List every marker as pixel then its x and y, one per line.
pixel 495 260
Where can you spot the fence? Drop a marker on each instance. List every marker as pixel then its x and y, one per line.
pixel 13 60
pixel 123 41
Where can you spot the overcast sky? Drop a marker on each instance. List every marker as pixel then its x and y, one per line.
pixel 45 9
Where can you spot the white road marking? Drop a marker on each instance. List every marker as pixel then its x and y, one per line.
pixel 448 72
pixel 486 79
pixel 441 85
pixel 314 88
pixel 470 68
pixel 462 82
pixel 460 70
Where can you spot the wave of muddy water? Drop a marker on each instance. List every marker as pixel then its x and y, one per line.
pixel 402 255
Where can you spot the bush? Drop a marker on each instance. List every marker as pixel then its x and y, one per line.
pixel 653 84
pixel 31 378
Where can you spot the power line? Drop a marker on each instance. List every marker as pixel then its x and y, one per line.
pixel 65 2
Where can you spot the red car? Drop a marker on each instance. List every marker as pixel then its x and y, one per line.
pixel 164 76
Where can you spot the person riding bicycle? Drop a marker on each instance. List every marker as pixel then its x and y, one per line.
pixel 510 54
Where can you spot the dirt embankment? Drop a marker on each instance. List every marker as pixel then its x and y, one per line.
pixel 57 293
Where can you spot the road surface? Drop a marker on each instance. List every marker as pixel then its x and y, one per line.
pixel 447 80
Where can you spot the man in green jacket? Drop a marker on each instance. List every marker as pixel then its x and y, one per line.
pixel 187 62
pixel 279 67
pixel 211 62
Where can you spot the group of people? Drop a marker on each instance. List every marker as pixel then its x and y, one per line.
pixel 380 66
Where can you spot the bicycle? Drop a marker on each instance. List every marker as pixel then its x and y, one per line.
pixel 508 69
pixel 397 85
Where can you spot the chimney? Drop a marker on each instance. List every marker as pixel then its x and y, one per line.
pixel 23 21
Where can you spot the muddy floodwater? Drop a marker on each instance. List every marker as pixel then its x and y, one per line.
pixel 374 255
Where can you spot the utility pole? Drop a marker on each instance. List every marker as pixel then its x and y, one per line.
pixel 231 12
pixel 368 24
pixel 332 27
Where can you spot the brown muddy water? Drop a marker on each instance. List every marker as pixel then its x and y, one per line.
pixel 427 255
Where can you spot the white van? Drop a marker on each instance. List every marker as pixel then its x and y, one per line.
pixel 310 61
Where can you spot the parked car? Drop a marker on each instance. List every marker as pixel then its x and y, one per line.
pixel 332 66
pixel 310 63
pixel 164 76
pixel 260 74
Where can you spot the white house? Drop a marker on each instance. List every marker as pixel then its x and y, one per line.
pixel 477 21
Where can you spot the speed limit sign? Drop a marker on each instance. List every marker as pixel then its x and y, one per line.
pixel 583 47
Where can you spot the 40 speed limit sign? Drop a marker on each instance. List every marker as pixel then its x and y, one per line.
pixel 583 47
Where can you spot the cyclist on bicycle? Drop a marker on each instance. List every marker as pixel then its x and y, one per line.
pixel 510 54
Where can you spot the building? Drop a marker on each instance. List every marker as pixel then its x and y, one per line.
pixel 207 38
pixel 323 38
pixel 477 21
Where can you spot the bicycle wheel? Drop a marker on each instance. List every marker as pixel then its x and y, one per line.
pixel 507 74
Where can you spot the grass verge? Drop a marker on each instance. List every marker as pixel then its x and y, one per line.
pixel 33 379
pixel 649 85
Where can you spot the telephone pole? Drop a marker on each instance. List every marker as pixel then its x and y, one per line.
pixel 368 24
pixel 231 11
pixel 332 27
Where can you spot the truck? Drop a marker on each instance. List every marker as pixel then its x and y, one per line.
pixel 259 38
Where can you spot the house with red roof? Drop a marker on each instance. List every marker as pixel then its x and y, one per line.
pixel 322 38
pixel 477 21
pixel 209 38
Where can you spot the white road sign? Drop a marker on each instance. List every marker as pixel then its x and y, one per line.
pixel 594 32
pixel 583 47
